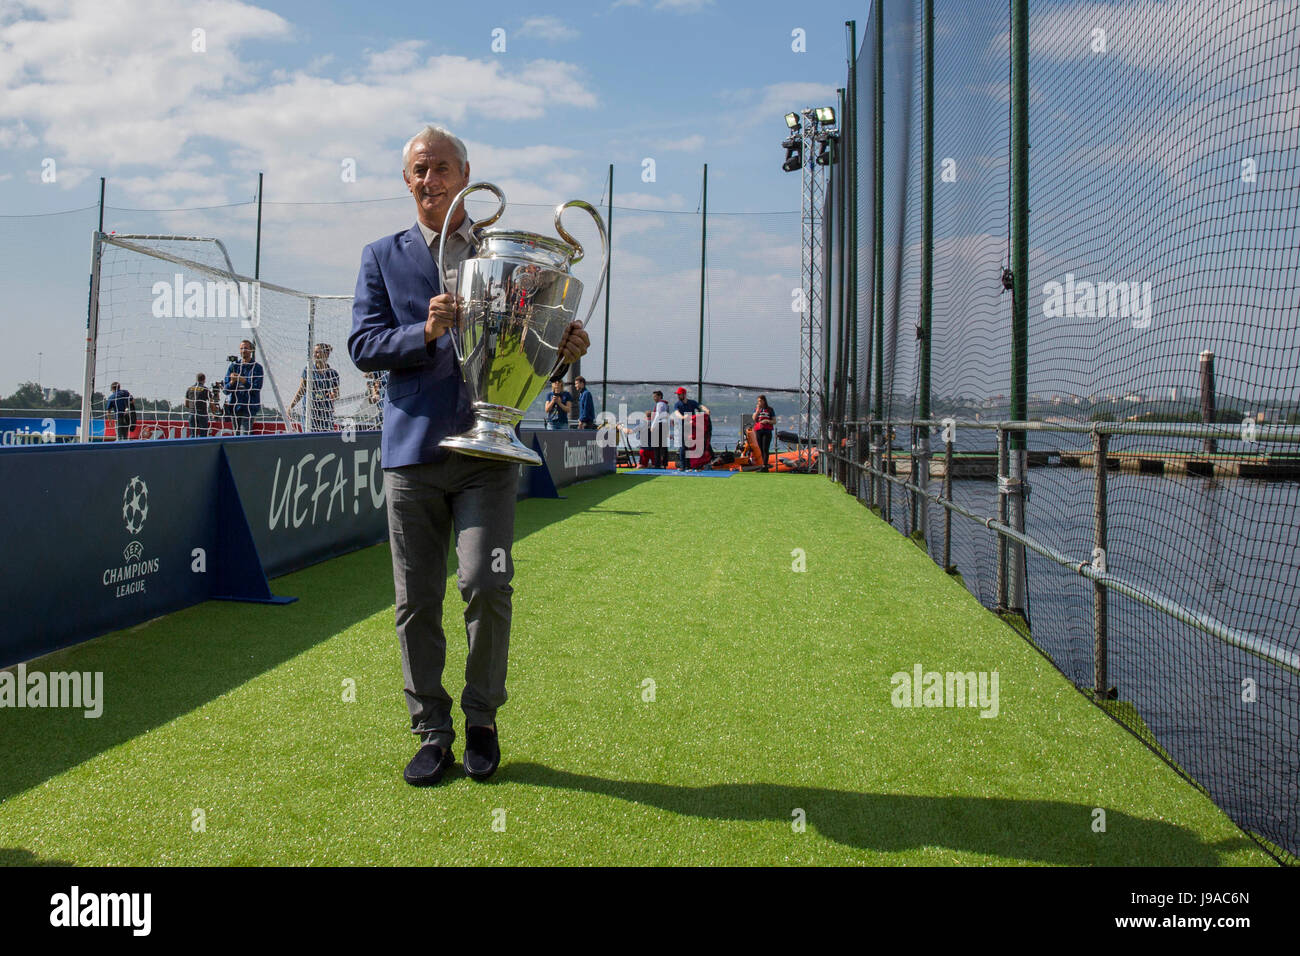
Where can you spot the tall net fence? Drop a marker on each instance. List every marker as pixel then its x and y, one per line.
pixel 693 298
pixel 192 347
pixel 1161 297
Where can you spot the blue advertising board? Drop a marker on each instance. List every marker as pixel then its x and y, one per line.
pixel 107 535
pixel 310 497
pixel 44 431
pixel 572 454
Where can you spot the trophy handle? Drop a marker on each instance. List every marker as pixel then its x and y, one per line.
pixel 578 253
pixel 474 231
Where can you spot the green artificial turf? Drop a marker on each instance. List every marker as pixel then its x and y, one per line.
pixel 771 702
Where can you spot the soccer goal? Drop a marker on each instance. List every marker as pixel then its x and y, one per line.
pixel 165 310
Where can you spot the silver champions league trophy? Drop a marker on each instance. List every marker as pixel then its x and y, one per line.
pixel 515 297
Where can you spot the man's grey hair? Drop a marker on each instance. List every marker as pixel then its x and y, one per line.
pixel 430 133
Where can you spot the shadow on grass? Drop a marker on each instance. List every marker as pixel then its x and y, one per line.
pixel 1040 831
pixel 15 856
pixel 155 672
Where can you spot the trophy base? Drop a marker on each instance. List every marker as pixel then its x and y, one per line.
pixel 493 436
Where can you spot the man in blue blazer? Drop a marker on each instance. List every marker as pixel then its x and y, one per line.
pixel 400 318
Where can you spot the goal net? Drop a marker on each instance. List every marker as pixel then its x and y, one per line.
pixel 180 345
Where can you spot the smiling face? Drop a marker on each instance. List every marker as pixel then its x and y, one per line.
pixel 434 176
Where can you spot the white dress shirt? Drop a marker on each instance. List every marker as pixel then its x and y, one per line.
pixel 458 249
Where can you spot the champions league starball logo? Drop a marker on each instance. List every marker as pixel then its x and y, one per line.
pixel 135 504
pixel 130 577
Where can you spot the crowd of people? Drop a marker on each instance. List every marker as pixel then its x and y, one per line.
pixel 232 405
pixel 235 402
pixel 561 405
pixel 691 422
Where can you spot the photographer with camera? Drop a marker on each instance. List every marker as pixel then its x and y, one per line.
pixel 243 388
pixel 558 406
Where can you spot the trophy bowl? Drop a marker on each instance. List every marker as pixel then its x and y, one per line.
pixel 515 297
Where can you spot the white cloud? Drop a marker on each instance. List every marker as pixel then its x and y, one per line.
pixel 113 88
pixel 17 136
pixel 116 87
pixel 397 58
pixel 776 100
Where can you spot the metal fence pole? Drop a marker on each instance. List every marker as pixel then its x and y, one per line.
pixel 92 333
pixel 1019 223
pixel 704 245
pixel 947 513
pixel 310 396
pixel 1101 687
pixel 889 470
pixel 1003 491
pixel 920 503
pixel 878 234
pixel 873 455
pixel 849 139
pixel 1018 486
pixel 913 499
pixel 858 446
pixel 604 345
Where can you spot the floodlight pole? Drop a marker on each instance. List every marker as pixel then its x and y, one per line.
pixel 832 196
pixel 811 292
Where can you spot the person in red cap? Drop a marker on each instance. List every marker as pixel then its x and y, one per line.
pixel 682 411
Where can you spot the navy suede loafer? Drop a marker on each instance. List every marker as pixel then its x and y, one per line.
pixel 428 765
pixel 482 752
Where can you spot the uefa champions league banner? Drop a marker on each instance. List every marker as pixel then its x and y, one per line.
pixel 100 538
pixel 105 536
pixel 310 497
pixel 571 455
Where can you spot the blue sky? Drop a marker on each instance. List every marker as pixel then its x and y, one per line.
pixel 1136 167
pixel 296 89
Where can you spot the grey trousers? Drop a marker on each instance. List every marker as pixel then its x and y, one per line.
pixel 477 496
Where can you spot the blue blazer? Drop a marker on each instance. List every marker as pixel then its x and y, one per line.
pixel 426 398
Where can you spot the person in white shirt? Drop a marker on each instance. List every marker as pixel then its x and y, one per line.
pixel 659 431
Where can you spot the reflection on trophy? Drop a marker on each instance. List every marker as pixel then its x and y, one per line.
pixel 515 297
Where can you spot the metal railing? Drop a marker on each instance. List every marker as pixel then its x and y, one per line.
pixel 882 480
